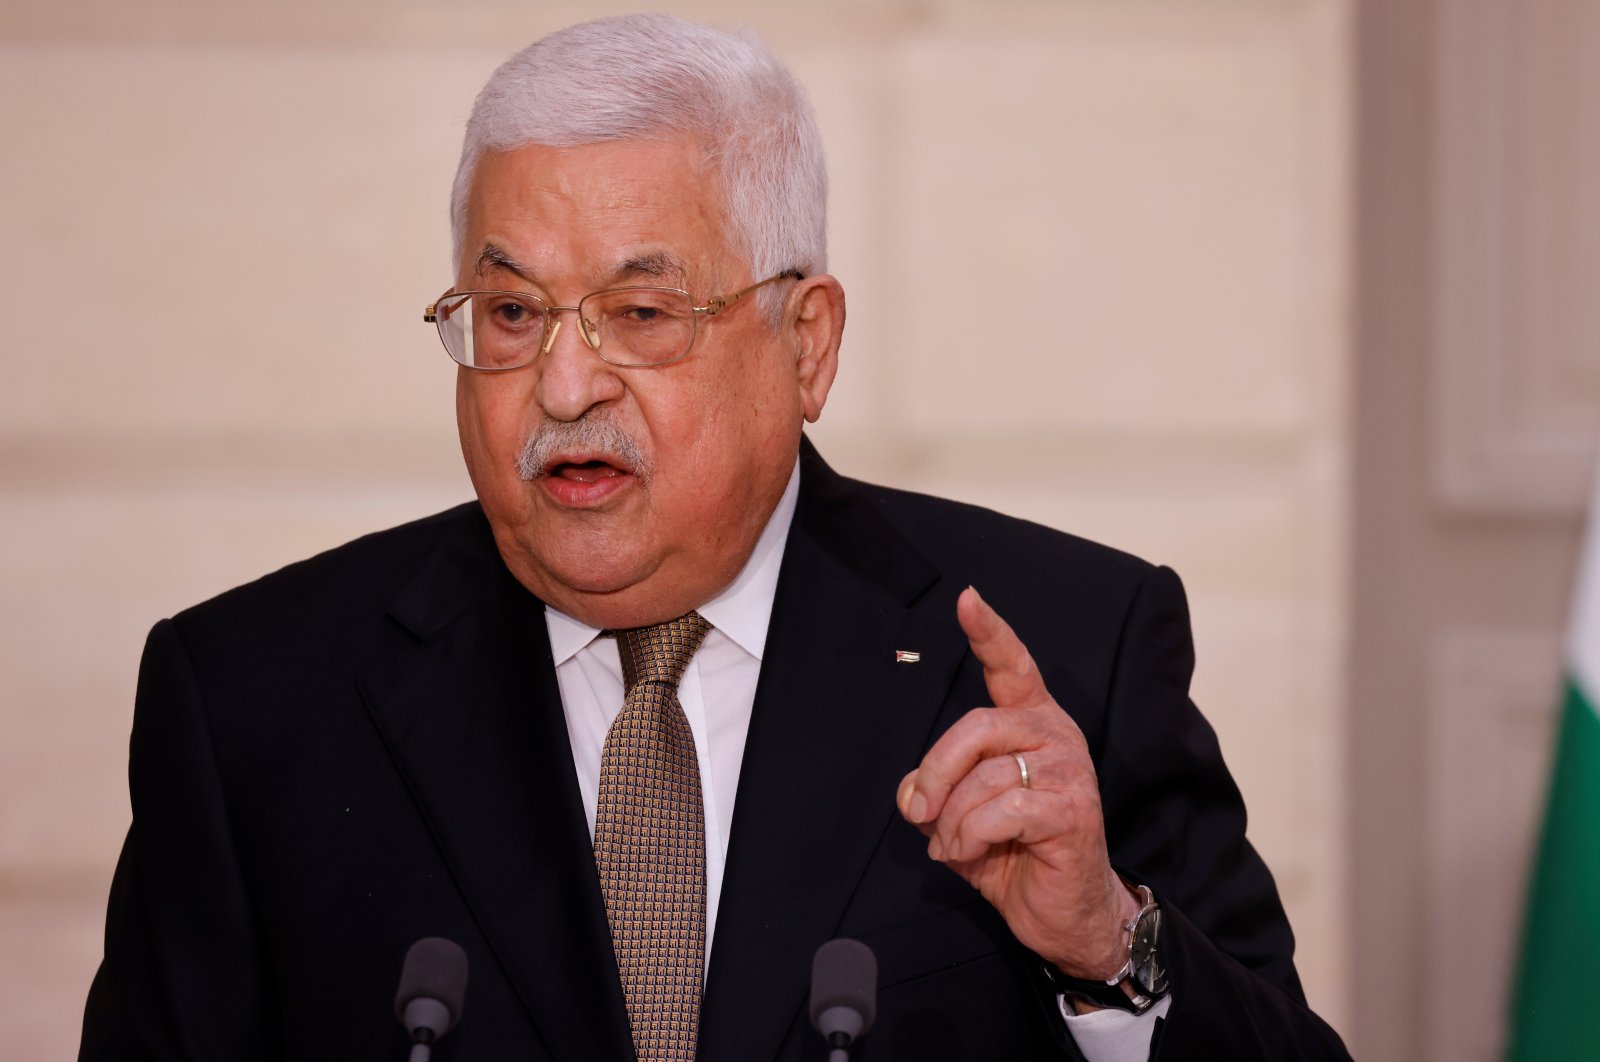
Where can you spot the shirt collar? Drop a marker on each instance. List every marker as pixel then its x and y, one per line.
pixel 742 611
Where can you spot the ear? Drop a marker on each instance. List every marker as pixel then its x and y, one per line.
pixel 815 327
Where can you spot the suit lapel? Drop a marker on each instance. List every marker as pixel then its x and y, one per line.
pixel 472 715
pixel 837 723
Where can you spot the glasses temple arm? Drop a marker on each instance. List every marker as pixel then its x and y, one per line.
pixel 716 305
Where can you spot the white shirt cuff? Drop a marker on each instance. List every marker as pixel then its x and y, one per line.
pixel 1113 1035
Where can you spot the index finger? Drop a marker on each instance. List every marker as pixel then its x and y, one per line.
pixel 1008 669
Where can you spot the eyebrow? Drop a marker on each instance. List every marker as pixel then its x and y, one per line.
pixel 656 265
pixel 493 257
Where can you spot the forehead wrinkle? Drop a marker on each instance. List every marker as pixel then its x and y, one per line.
pixel 659 267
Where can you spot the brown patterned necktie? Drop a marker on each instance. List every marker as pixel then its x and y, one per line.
pixel 650 844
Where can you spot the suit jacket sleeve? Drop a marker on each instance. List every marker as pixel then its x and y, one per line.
pixel 1176 822
pixel 181 977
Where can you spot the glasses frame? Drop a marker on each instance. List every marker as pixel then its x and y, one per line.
pixel 551 322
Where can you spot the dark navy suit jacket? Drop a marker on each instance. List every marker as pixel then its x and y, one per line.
pixel 368 747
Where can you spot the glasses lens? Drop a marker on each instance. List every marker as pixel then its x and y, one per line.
pixel 490 329
pixel 640 326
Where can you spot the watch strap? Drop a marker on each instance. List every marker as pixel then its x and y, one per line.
pixel 1122 990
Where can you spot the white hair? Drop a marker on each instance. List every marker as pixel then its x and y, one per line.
pixel 655 77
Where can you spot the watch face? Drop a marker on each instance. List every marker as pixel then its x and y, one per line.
pixel 1145 952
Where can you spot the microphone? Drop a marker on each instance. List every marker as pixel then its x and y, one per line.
pixel 844 993
pixel 433 985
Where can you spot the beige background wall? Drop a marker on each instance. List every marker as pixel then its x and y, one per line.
pixel 1112 266
pixel 1477 421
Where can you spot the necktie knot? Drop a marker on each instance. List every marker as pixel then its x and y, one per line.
pixel 660 653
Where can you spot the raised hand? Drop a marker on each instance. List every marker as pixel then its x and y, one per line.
pixel 1037 853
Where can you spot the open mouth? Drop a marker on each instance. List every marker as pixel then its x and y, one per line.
pixel 585 471
pixel 582 481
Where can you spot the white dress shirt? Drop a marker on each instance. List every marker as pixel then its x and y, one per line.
pixel 718 690
pixel 718 693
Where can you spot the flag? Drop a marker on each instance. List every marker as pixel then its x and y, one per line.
pixel 1553 1014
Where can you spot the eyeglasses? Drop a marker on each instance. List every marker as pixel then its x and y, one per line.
pixel 496 331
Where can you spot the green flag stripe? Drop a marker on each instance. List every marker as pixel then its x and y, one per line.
pixel 1558 980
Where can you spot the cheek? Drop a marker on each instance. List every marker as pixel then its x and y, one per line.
pixel 724 423
pixel 490 416
pixel 764 406
pixel 744 431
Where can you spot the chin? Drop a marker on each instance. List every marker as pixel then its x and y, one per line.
pixel 590 582
pixel 592 570
pixel 575 578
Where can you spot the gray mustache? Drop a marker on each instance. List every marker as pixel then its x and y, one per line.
pixel 595 436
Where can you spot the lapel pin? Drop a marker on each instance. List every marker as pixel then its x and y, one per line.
pixel 906 656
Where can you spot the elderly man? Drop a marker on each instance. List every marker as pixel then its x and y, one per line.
pixel 672 703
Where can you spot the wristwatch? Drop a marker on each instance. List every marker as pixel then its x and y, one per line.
pixel 1142 981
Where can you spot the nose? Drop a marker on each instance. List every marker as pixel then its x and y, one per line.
pixel 572 377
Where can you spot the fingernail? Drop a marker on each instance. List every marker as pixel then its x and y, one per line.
pixel 918 808
pixel 935 849
pixel 902 799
